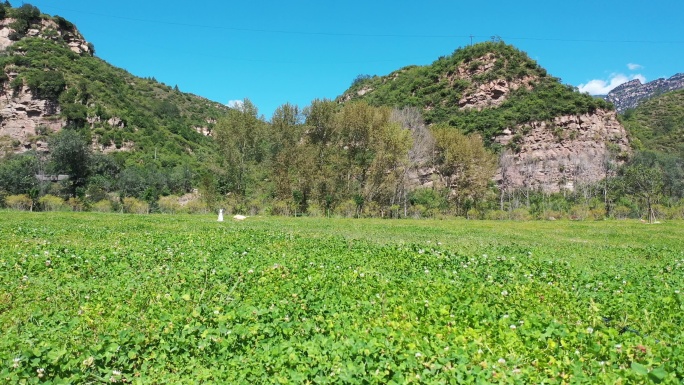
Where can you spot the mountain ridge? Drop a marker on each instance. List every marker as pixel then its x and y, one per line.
pixel 634 92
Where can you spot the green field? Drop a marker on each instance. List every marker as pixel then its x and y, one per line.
pixel 94 298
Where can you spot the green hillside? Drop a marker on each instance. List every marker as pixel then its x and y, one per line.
pixel 150 116
pixel 437 89
pixel 153 136
pixel 658 124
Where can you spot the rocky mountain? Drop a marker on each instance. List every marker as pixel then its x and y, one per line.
pixel 50 79
pixel 633 93
pixel 548 135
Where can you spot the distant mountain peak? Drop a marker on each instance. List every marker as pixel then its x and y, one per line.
pixel 631 94
pixel 629 84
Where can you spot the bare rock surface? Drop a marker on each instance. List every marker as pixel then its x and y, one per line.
pixel 563 154
pixel 24 120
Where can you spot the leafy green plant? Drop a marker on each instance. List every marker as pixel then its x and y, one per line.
pixel 128 298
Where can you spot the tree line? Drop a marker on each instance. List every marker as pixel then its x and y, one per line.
pixel 352 160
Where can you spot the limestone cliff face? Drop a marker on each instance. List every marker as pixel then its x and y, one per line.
pixel 563 154
pixel 24 120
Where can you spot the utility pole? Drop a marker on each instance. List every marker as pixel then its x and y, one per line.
pixel 471 39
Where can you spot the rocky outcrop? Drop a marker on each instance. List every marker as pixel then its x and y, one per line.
pixel 349 96
pixel 47 29
pixel 630 94
pixel 489 93
pixel 24 120
pixel 563 154
pixel 206 131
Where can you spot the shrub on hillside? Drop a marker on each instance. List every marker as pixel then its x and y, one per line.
pixel 346 209
pixel 196 206
pixel 497 215
pixel 63 23
pixel 474 214
pixel 372 210
pixel 19 202
pixel 46 84
pixel 677 211
pixel 597 214
pixel 23 16
pixel 76 204
pixel 103 206
pixel 281 207
pixel 520 214
pixel 52 203
pixel 417 211
pixel 621 212
pixel 169 204
pixel 135 206
pixel 315 210
pixel 579 212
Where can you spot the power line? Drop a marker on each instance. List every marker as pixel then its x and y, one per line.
pixel 595 40
pixel 276 31
pixel 367 35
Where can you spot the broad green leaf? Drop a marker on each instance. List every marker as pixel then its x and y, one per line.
pixel 639 369
pixel 658 374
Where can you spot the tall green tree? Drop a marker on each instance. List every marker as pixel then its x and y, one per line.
pixel 290 177
pixel 645 183
pixel 386 174
pixel 70 154
pixel 243 144
pixel 464 166
pixel 18 173
pixel 323 153
pixel 359 125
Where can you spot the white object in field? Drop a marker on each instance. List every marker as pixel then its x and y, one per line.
pixel 220 218
pixel 239 217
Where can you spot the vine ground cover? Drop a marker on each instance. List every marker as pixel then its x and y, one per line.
pixel 92 298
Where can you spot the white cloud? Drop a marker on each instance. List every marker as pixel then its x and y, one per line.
pixel 237 104
pixel 634 66
pixel 602 87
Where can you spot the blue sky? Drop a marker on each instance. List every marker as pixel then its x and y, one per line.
pixel 274 52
